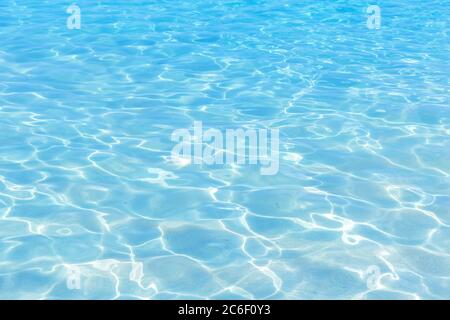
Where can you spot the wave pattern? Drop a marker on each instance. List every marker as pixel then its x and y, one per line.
pixel 359 208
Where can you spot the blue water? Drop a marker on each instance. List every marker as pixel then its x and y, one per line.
pixel 360 206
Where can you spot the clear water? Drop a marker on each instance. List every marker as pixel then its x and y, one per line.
pixel 360 207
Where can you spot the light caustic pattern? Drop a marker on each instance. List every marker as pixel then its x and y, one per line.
pixel 92 207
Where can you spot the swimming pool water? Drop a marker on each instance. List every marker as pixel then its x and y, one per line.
pixel 91 207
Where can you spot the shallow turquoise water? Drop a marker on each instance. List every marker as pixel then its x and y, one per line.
pixel 360 207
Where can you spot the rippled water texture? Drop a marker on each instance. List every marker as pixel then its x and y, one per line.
pixel 360 207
